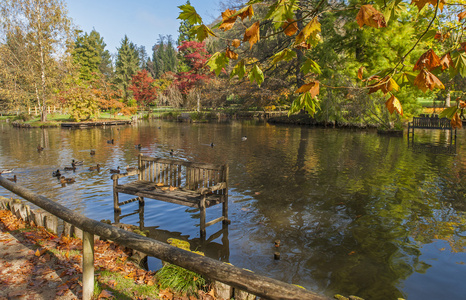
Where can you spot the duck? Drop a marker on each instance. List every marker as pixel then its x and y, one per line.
pixel 138 146
pixel 244 138
pixel 40 148
pixel 72 168
pixel 6 171
pixel 111 141
pixel 12 178
pixel 56 173
pixel 130 169
pixel 92 152
pixel 212 145
pixel 117 170
pixel 75 163
pixel 93 168
pixel 63 179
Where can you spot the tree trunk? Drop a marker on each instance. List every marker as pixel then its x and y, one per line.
pixel 448 98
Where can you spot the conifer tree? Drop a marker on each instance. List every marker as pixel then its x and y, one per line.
pixel 126 66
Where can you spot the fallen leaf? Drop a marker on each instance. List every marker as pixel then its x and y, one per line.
pixel 105 294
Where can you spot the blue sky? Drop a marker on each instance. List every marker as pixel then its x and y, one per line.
pixel 141 20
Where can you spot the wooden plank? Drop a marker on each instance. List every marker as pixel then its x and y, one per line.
pixel 214 221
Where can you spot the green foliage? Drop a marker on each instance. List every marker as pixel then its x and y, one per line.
pixel 239 69
pixel 189 13
pixel 184 29
pixel 126 66
pixel 217 62
pixel 256 75
pixel 179 279
pixel 306 101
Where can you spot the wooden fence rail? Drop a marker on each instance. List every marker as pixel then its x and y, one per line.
pixel 245 280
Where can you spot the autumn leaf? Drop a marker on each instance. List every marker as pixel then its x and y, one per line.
pixel 421 3
pixel 461 16
pixel 427 81
pixel 252 34
pixel 311 30
pixel 236 43
pixel 290 27
pixel 239 69
pixel 427 60
pixel 246 12
pixel 456 121
pixel 217 62
pixel 189 13
pixel 386 84
pixel 231 54
pixel 105 295
pixel 393 104
pixel 360 72
pixel 201 32
pixel 256 75
pixel 311 87
pixel 369 16
pixel 229 19
pixel 166 294
pixel 286 54
pixel 446 61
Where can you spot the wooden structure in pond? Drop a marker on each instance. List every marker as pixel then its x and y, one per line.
pixel 430 122
pixel 186 183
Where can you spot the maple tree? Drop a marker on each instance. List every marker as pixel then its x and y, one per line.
pixel 143 88
pixel 302 21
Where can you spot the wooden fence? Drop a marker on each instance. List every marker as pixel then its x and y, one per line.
pixel 245 280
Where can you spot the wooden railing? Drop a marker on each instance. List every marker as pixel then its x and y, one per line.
pixel 259 285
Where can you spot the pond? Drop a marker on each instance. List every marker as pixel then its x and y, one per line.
pixel 356 213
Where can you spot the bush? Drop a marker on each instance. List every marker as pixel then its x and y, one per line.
pixel 23 117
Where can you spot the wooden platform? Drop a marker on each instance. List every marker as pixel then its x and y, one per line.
pixel 430 122
pixel 97 123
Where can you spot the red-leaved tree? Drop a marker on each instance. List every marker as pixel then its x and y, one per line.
pixel 195 57
pixel 144 90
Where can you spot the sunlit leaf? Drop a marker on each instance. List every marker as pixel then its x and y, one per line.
pixel 307 102
pixel 252 34
pixel 290 27
pixel 456 121
pixel 256 75
pixel 239 69
pixel 360 72
pixel 246 12
pixel 461 16
pixel 231 54
pixel 311 87
pixel 386 84
pixel 428 60
pixel 369 16
pixel 189 13
pixel 228 20
pixel 427 81
pixel 310 65
pixel 201 32
pixel 459 62
pixel 105 294
pixel 309 31
pixel 217 62
pixel 236 43
pixel 286 54
pixel 448 112
pixel 393 104
pixel 421 3
pixel 281 11
pixel 446 61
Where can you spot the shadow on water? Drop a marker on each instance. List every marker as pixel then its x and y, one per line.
pixel 356 213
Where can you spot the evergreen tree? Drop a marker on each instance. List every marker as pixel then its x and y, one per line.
pixel 163 57
pixel 127 64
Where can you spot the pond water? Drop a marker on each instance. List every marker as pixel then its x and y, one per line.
pixel 357 213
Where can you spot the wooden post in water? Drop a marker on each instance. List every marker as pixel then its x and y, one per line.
pixel 88 265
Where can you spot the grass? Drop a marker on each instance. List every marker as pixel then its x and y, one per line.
pixel 180 280
pixel 122 288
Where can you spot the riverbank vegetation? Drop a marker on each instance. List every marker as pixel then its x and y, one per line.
pixel 372 64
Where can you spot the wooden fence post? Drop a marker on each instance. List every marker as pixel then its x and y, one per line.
pixel 88 265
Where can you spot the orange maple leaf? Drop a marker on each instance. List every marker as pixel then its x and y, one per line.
pixel 386 84
pixel 246 12
pixel 421 3
pixel 312 87
pixel 461 16
pixel 360 72
pixel 456 121
pixel 446 61
pixel 228 19
pixel 236 43
pixel 252 34
pixel 393 104
pixel 369 16
pixel 427 81
pixel 231 54
pixel 290 27
pixel 427 60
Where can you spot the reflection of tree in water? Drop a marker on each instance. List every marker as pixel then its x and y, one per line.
pixel 350 209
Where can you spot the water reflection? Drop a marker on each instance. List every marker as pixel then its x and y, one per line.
pixel 357 213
